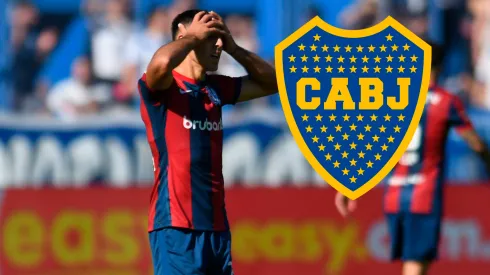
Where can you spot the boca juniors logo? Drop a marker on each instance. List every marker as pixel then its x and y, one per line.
pixel 353 98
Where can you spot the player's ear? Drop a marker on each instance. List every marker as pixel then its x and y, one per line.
pixel 182 31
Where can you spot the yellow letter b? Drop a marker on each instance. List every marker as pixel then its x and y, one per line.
pixel 371 88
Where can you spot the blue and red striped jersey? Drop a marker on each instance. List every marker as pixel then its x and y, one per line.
pixel 185 132
pixel 416 182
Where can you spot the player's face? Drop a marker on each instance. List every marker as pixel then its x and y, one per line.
pixel 209 53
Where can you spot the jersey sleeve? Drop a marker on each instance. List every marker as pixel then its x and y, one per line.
pixel 457 115
pixel 229 88
pixel 149 95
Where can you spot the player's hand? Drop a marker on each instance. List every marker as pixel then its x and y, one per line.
pixel 229 44
pixel 203 26
pixel 344 205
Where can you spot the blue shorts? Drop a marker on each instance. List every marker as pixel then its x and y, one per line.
pixel 414 237
pixel 190 252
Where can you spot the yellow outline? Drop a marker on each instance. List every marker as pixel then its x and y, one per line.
pixel 317 21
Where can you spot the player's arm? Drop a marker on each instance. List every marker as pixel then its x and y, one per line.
pixel 169 56
pixel 465 129
pixel 261 80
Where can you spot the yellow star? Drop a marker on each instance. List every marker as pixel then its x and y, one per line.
pixel 375 138
pixel 387 117
pixel 292 69
pixel 401 58
pixel 332 117
pixel 377 59
pixel 348 49
pixel 382 129
pixel 367 128
pixel 321 147
pixel 383 48
pixel 328 58
pixel 360 117
pixel 341 69
pixel 313 48
pixel 315 139
pixel 292 58
pixel 371 48
pixel 413 69
pixel 329 69
pixel 389 37
pixel 338 128
pixel 301 47
pixel 345 154
pixel 345 171
pixel 330 138
pixel 377 69
pixel 353 179
pixel 305 69
pixel 317 69
pixel 317 37
pixel 353 69
pixel 319 117
pixel 324 129
pixel 345 136
pixel 309 129
pixel 365 69
pixel 353 146
pixel 346 117
pixel 305 117
pixel 414 58
pixel 389 69
pixel 369 164
pixel 394 48
pixel 353 59
pixel 401 69
pixel 340 59
pixel 353 162
pixel 389 58
pixel 316 58
pixel 304 58
pixel 324 48
pixel 384 147
pixel 336 48
pixel 369 146
pixel 406 47
pixel 337 146
pixel 361 154
pixel 365 59
pixel 397 129
pixel 353 127
pixel 336 164
pixel 391 139
pixel 360 136
pixel 359 49
pixel 377 156
pixel 374 117
pixel 401 118
pixel 360 171
pixel 328 157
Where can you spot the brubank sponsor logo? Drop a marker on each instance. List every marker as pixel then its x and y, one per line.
pixel 202 125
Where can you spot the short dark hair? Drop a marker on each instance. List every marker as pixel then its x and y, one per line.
pixel 437 55
pixel 184 18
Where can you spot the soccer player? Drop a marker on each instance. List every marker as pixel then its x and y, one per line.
pixel 413 201
pixel 181 108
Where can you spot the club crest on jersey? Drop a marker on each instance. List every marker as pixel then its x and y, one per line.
pixel 353 98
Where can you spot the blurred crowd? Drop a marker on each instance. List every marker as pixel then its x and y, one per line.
pixel 104 78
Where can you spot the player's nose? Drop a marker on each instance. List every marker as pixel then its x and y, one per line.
pixel 219 43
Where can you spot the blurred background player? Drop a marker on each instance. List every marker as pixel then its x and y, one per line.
pixel 413 202
pixel 181 108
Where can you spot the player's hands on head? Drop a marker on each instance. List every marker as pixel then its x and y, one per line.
pixel 344 205
pixel 229 44
pixel 203 26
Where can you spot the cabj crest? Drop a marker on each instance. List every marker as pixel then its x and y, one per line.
pixel 353 98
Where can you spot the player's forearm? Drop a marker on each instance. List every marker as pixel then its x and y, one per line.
pixel 168 57
pixel 258 70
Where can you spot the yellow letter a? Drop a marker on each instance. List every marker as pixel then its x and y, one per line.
pixel 339 92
